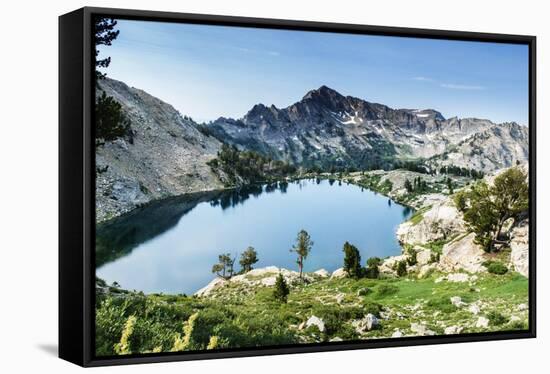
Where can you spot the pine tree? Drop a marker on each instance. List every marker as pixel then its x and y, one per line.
pixel 450 185
pixel 248 258
pixel 408 186
pixel 401 268
pixel 281 290
pixel 111 123
pixel 372 267
pixel 352 260
pixel 486 208
pixel 224 267
pixel 302 248
pixel 104 34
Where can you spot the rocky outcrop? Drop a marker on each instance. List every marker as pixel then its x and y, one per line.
pixel 164 155
pixel 367 323
pixel 421 329
pixel 450 330
pixel 266 276
pixel 317 322
pixel 262 277
pixel 443 223
pixel 339 273
pixel 457 301
pixel 482 323
pixel 322 273
pixel 388 265
pixel 519 258
pixel 462 254
pixel 439 222
pixel 397 334
pixel 423 256
pixel 210 287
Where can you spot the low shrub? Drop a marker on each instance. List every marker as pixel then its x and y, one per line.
pixel 372 271
pixel 372 308
pixel 411 256
pixel 401 268
pixel 434 257
pixel 496 318
pixel 442 304
pixel 334 316
pixel 495 267
pixel 386 289
pixel 518 325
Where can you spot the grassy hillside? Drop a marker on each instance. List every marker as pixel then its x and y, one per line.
pixel 241 315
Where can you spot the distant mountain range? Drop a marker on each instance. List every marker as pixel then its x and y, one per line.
pixel 328 129
pixel 167 153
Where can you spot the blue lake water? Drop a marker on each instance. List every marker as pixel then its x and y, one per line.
pixel 170 246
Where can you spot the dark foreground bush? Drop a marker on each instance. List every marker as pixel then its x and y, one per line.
pixel 496 318
pixel 495 267
pixel 401 268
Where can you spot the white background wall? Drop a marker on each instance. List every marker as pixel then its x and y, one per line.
pixel 28 184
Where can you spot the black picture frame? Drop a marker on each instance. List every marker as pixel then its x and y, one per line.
pixel 76 183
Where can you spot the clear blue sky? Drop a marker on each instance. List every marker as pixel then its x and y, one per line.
pixel 212 71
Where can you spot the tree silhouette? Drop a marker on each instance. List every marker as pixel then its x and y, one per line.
pixel 104 34
pixel 111 123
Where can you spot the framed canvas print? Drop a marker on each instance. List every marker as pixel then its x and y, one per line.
pixel 236 186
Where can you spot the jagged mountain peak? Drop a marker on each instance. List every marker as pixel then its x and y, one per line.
pixel 261 113
pixel 323 91
pixel 258 108
pixel 323 95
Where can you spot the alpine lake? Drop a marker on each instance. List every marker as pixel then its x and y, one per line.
pixel 169 246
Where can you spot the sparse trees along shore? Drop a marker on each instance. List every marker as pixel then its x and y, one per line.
pixel 225 266
pixel 352 261
pixel 248 258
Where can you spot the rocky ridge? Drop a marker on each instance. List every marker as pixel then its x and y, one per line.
pixel 328 129
pixel 165 155
pixel 261 277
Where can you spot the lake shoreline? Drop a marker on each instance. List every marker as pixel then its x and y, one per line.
pixel 323 176
pixel 315 203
